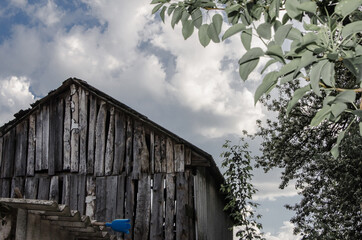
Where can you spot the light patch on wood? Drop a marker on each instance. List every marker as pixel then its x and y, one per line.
pixel 74 142
pixel 110 145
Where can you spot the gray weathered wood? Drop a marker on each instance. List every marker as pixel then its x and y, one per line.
pixel 7 168
pixel 39 136
pixel 74 131
pixel 91 133
pixel 53 134
pixel 169 156
pixel 163 154
pixel 83 124
pixel 1 152
pixel 21 224
pixel 81 192
pixel 190 204
pixel 100 213
pixel 66 190
pixel 100 140
pixel 58 138
pixel 43 188
pixel 182 223
pixel 129 145
pixel 141 157
pixel 17 182
pixel 111 197
pixel 179 158
pixel 6 187
pixel 143 208
pixel 170 206
pixel 91 197
pixel 31 188
pixel 121 190
pixel 201 205
pixel 45 137
pixel 188 156
pixel 119 142
pixel 156 224
pixel 54 189
pixel 21 148
pixel 152 152
pixel 130 204
pixel 67 135
pixel 73 197
pixel 157 154
pixel 110 145
pixel 31 146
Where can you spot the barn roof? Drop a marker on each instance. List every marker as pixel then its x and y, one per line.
pixel 200 158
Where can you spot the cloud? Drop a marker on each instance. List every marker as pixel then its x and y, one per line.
pixel 270 191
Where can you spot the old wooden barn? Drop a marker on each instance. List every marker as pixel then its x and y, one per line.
pixel 96 160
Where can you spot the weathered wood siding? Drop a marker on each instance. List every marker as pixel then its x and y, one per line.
pixel 83 151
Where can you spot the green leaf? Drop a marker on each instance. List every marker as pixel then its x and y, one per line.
pixel 307 59
pixel 311 27
pixel 252 54
pixel 249 61
pixel 264 30
pixel 291 7
pixel 294 34
pixel 203 36
pixel 185 15
pixel 328 73
pixel 246 38
pixel 276 50
pixel 289 67
pixel 176 17
pixel 233 8
pixel 345 7
pixel 321 115
pixel 270 62
pixel 352 28
pixel 282 33
pixel 338 108
pixel 171 8
pixel 187 28
pixel 269 82
pixel 162 13
pixel 351 67
pixel 335 149
pixel 346 97
pixel 214 28
pixel 358 113
pixel 157 1
pixel 196 16
pixel 315 75
pixel 233 30
pixel 308 7
pixel 298 94
pixel 274 9
pixel 156 8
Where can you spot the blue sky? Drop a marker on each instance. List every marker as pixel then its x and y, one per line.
pixel 120 48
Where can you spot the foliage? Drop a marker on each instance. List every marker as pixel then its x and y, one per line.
pixel 330 36
pixel 330 187
pixel 239 190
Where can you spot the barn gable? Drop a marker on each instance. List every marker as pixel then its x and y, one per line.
pixel 79 147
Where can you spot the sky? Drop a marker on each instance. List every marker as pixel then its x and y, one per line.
pixel 118 47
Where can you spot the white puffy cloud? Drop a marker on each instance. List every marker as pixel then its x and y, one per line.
pixel 269 190
pixel 14 95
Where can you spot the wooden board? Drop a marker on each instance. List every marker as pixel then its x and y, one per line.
pixel 66 190
pixel 54 189
pixel 43 189
pixel 67 135
pixel 191 201
pixel 73 193
pixel 169 156
pixel 6 187
pixel 152 152
pixel 75 129
pixel 100 140
pixel 17 182
pixel 7 168
pixel 130 204
pixel 182 223
pixel 31 188
pixel 58 138
pixel 163 154
pixel 187 156
pixel 110 145
pixel 157 154
pixel 81 192
pixel 101 186
pixel 45 137
pixel 1 152
pixel 21 148
pixel 179 158
pixel 31 146
pixel 121 190
pixel 143 208
pixel 90 197
pixel 129 145
pixel 170 206
pixel 119 143
pixel 111 197
pixel 141 157
pixel 83 124
pixel 201 206
pixel 157 213
pixel 91 133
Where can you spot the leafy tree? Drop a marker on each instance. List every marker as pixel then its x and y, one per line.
pixel 331 36
pixel 330 187
pixel 239 190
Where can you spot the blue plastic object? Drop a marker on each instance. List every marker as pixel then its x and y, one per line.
pixel 120 225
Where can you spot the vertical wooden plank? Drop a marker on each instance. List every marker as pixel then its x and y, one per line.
pixel 7 168
pixel 163 155
pixel 156 227
pixel 191 208
pixel 188 156
pixel 119 142
pixel 52 134
pixel 1 152
pixel 111 197
pixel 121 190
pixel 110 145
pixel 182 223
pixel 169 156
pixel 74 131
pixel 140 151
pixel 21 147
pixel 17 182
pixel 91 197
pixel 31 188
pixel 157 154
pixel 59 126
pixel 66 190
pixel 101 199
pixel 54 189
pixel 143 208
pixel 43 189
pixel 129 145
pixel 130 204
pixel 152 152
pixel 81 193
pixel 91 133
pixel 179 158
pixel 73 196
pixel 100 140
pixel 67 135
pixel 45 137
pixel 33 232
pixel 39 136
pixel 6 187
pixel 201 205
pixel 170 206
pixel 83 125
pixel 31 146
